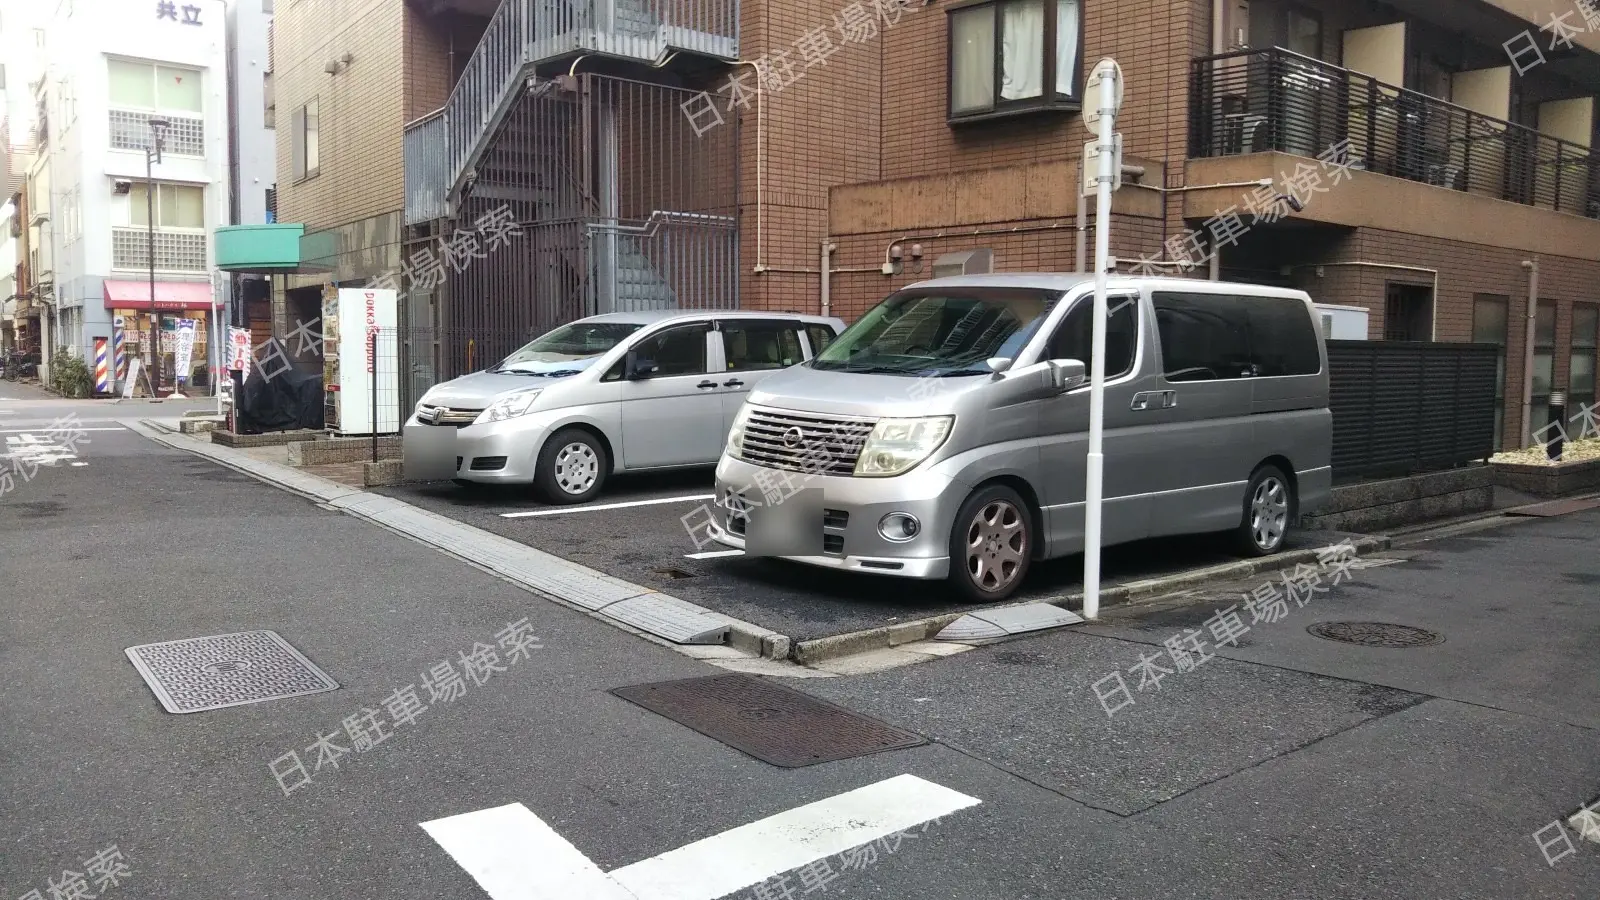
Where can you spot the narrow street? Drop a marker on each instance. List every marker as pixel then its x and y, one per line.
pixel 1283 766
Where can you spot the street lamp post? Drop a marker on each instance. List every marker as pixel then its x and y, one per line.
pixel 152 155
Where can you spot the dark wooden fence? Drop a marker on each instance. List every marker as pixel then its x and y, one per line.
pixel 1401 407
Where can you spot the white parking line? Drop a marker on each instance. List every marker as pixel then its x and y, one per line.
pixel 713 554
pixel 512 853
pixel 44 428
pixel 604 506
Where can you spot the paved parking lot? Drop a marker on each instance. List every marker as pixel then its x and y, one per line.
pixel 635 531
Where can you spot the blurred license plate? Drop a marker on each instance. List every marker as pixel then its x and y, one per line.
pixel 429 452
pixel 791 527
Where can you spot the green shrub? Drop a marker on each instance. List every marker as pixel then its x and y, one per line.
pixel 69 374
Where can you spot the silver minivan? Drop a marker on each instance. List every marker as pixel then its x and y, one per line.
pixel 944 434
pixel 618 392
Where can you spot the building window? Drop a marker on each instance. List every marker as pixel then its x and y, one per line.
pixel 307 157
pixel 1585 337
pixel 136 85
pixel 1544 358
pixel 178 206
pixel 1489 327
pixel 1014 56
pixel 269 116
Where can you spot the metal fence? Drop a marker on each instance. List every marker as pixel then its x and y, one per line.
pixel 1400 407
pixel 1275 100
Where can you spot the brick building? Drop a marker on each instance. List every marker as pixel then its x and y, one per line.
pixel 628 143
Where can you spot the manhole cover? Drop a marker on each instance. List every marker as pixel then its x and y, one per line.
pixel 775 724
pixel 199 674
pixel 1376 634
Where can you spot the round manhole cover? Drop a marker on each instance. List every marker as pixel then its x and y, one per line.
pixel 227 666
pixel 1376 634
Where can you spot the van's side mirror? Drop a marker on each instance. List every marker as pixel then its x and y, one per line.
pixel 1067 374
pixel 634 368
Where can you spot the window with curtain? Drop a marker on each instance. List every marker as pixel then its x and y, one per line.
pixel 1014 56
pixel 1489 327
pixel 1581 381
pixel 146 86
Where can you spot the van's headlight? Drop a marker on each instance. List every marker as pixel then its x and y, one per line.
pixel 896 445
pixel 736 433
pixel 508 407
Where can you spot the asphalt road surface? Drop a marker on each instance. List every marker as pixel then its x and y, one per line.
pixel 1289 767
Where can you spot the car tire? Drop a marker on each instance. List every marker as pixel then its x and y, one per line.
pixel 991 544
pixel 572 467
pixel 1269 507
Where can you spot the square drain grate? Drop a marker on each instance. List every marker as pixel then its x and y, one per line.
pixel 773 723
pixel 199 674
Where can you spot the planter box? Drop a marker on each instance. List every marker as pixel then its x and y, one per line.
pixel 1560 480
pixel 341 450
pixel 270 439
pixel 1393 502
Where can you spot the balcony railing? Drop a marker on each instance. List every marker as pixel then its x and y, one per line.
pixel 427 168
pixel 1274 100
pixel 176 251
pixel 524 32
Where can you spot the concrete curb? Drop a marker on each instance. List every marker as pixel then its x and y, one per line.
pixel 821 649
pixel 602 596
pixel 594 592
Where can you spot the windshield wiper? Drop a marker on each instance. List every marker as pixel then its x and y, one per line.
pixel 955 373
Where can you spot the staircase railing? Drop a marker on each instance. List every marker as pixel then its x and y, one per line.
pixel 523 32
pixel 427 167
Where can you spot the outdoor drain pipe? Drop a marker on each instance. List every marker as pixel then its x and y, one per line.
pixel 1529 327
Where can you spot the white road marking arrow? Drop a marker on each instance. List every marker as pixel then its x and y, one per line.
pixel 514 855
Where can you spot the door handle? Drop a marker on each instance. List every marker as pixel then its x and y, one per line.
pixel 1154 400
pixel 1140 401
pixel 706 384
pixel 733 382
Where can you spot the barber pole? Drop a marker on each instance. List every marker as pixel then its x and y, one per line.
pixel 102 367
pixel 118 335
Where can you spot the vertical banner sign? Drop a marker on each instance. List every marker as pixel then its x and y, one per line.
pixel 183 350
pixel 119 334
pixel 376 378
pixel 102 366
pixel 239 350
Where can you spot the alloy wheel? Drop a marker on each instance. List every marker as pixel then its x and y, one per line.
pixel 1269 513
pixel 997 546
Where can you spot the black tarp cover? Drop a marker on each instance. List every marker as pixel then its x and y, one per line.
pixel 287 401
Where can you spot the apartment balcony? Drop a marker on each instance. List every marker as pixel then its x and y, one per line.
pixel 1256 114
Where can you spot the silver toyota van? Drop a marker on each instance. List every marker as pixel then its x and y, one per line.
pixel 944 434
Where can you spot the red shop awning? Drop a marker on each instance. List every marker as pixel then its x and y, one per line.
pixel 169 295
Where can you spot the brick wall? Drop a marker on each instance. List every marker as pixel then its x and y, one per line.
pixel 1464 270
pixel 877 111
pixel 360 111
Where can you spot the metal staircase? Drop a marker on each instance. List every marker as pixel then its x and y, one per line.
pixel 525 33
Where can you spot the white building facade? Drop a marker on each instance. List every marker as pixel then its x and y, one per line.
pixel 117 70
pixel 252 141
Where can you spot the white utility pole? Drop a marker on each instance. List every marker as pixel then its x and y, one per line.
pixel 1107 76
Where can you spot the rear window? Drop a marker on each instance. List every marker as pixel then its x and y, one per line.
pixel 1207 337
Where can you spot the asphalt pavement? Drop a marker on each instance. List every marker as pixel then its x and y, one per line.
pixel 1283 768
pixel 636 531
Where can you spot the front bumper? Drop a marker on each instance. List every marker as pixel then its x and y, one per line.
pixel 504 452
pixel 852 509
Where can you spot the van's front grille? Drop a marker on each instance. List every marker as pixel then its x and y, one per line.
pixel 446 415
pixel 802 442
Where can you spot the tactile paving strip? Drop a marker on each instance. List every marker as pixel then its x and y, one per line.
pixel 199 674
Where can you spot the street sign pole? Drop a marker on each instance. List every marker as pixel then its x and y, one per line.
pixel 1108 76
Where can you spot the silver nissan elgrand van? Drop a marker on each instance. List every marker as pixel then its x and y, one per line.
pixel 944 434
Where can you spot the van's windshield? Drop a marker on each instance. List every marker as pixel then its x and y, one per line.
pixel 566 351
pixel 939 332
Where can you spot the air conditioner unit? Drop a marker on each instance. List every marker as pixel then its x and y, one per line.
pixel 121 188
